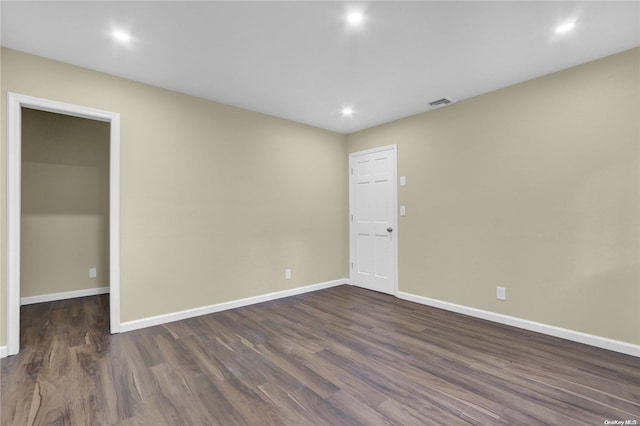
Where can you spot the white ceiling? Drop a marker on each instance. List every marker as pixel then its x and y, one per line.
pixel 304 62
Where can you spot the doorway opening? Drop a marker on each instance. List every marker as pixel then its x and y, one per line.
pixel 19 106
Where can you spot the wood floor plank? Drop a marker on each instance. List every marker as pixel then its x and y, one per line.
pixel 340 356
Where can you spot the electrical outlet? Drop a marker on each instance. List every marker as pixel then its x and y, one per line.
pixel 501 293
pixel 92 273
pixel 287 274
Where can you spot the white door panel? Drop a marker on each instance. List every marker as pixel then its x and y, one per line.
pixel 373 233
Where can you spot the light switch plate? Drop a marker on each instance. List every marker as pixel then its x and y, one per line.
pixel 403 210
pixel 403 180
pixel 501 293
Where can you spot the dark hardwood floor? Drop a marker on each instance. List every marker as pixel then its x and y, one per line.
pixel 341 356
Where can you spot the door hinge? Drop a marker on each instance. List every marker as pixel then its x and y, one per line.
pixel 351 218
pixel 351 265
pixel 352 171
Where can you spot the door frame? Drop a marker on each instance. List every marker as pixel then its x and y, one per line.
pixel 15 103
pixel 352 156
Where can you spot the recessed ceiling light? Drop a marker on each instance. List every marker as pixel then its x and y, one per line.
pixel 121 36
pixel 354 17
pixel 567 26
pixel 347 111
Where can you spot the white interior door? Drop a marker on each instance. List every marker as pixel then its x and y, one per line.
pixel 373 223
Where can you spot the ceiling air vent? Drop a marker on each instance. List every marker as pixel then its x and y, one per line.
pixel 439 103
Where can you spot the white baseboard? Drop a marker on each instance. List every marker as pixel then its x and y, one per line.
pixel 576 336
pixel 64 295
pixel 3 351
pixel 190 313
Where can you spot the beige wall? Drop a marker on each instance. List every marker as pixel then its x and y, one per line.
pixel 216 201
pixel 534 187
pixel 65 203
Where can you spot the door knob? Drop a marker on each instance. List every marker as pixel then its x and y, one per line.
pixel 389 229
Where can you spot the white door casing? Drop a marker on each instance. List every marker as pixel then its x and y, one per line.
pixel 373 233
pixel 15 103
